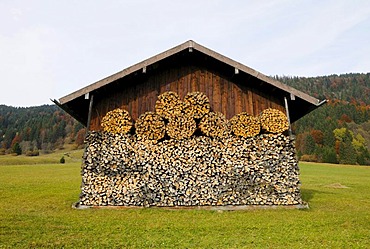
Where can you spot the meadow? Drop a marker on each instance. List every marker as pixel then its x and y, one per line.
pixel 36 197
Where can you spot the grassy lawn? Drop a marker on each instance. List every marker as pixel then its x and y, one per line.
pixel 53 158
pixel 36 199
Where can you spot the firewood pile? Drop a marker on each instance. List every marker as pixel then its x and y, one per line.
pixel 185 154
pixel 215 124
pixel 181 126
pixel 180 119
pixel 245 125
pixel 120 170
pixel 150 126
pixel 196 104
pixel 169 104
pixel 117 121
pixel 273 121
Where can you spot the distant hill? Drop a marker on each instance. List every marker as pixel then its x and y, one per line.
pixel 338 132
pixel 346 87
pixel 45 128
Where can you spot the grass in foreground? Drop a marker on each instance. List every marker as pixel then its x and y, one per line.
pixel 35 212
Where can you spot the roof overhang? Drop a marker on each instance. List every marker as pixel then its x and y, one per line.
pixel 309 103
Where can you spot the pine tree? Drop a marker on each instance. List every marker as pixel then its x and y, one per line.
pixel 329 155
pixel 17 149
pixel 310 145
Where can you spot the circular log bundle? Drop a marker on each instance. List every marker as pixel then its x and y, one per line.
pixel 215 124
pixel 150 126
pixel 168 104
pixel 273 120
pixel 245 125
pixel 181 126
pixel 117 121
pixel 196 104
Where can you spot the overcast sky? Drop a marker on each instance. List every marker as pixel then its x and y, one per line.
pixel 50 48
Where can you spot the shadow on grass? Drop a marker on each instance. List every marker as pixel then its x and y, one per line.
pixel 308 194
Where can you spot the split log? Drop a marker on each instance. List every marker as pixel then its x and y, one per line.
pixel 180 126
pixel 168 104
pixel 273 120
pixel 215 124
pixel 150 126
pixel 245 125
pixel 196 104
pixel 117 121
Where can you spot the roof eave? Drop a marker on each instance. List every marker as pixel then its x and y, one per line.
pixel 125 72
pixel 187 45
pixel 256 74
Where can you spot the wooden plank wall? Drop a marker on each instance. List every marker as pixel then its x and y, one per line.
pixel 225 96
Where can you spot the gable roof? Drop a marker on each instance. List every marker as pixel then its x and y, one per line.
pixel 190 46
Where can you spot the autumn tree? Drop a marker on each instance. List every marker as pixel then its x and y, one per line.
pixel 318 136
pixel 80 137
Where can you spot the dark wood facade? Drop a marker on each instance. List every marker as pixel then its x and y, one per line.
pixel 230 86
pixel 225 95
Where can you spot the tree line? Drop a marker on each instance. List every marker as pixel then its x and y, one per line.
pixel 29 130
pixel 338 132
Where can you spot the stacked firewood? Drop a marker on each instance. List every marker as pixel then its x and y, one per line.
pixel 169 104
pixel 231 163
pixel 180 119
pixel 196 104
pixel 215 124
pixel 273 120
pixel 117 121
pixel 120 170
pixel 181 126
pixel 245 125
pixel 150 126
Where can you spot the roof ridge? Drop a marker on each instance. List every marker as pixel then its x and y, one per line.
pixel 174 50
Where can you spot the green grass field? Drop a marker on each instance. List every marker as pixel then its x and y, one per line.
pixel 36 200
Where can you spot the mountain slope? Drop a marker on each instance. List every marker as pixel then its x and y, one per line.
pixel 340 130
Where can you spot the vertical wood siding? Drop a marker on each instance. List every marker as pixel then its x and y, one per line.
pixel 227 95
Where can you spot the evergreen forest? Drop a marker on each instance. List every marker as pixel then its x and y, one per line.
pixel 338 132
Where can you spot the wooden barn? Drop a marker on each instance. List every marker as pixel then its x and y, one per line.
pixel 231 87
pixel 220 164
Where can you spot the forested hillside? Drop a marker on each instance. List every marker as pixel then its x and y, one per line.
pixel 353 88
pixel 338 132
pixel 33 129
